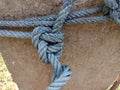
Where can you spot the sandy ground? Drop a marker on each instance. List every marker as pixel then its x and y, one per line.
pixel 6 81
pixel 91 50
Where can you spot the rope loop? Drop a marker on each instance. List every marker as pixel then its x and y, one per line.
pixel 113 9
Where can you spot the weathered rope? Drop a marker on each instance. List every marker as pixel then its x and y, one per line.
pixel 49 42
pixel 113 9
pixel 49 20
pixel 48 38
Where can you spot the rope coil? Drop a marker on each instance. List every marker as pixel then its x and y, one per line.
pixel 47 37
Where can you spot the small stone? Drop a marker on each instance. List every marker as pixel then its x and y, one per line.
pixel 13 63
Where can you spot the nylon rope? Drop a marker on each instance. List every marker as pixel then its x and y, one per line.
pixel 47 36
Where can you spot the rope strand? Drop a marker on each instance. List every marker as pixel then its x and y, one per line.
pixel 47 37
pixel 48 20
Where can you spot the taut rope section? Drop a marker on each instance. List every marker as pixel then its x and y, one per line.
pixel 48 38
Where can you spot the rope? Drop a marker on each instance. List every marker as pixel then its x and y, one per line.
pixel 49 20
pixel 47 37
pixel 113 9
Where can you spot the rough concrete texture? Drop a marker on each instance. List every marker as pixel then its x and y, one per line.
pixel 91 50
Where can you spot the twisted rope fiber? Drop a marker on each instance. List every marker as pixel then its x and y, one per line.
pixel 49 20
pixel 48 38
pixel 49 42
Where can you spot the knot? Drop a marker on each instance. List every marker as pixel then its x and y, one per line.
pixel 112 8
pixel 47 42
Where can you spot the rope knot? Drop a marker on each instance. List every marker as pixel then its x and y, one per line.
pixel 47 42
pixel 113 9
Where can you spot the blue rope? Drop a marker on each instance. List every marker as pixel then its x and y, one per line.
pixel 49 20
pixel 48 38
pixel 113 7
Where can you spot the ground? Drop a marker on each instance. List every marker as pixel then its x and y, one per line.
pixel 91 50
pixel 6 81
